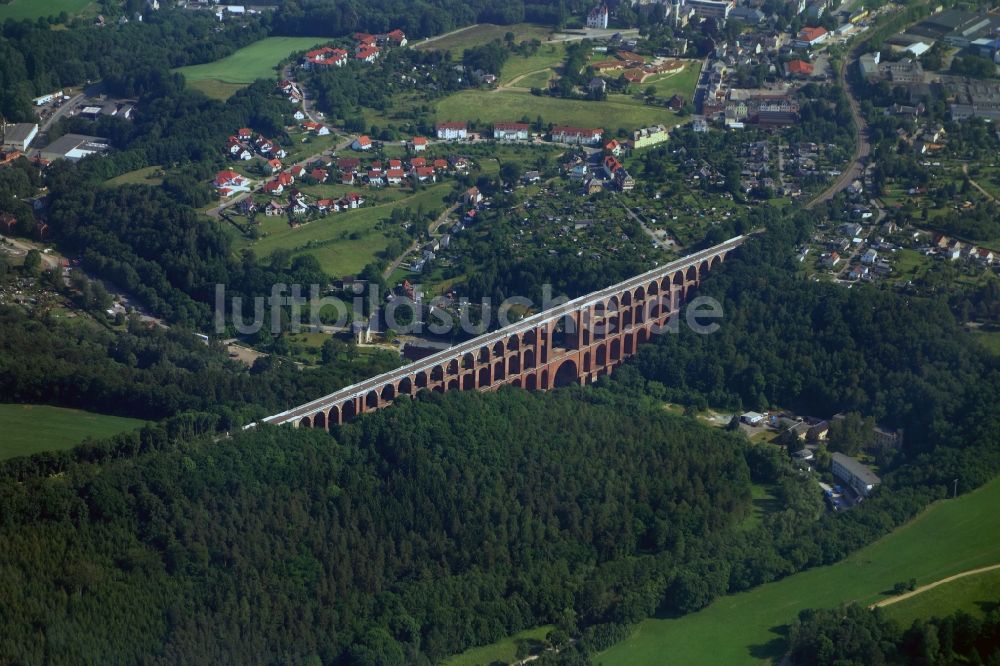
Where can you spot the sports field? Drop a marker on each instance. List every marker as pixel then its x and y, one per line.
pixel 257 61
pixel 974 594
pixel 30 429
pixel 33 9
pixel 950 537
pixel 345 242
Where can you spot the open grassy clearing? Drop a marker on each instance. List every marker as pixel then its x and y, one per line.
pixel 29 429
pixel 217 89
pixel 257 61
pixel 974 594
pixel 988 339
pixel 547 57
pixel 504 651
pixel 678 83
pixel 484 33
pixel 344 242
pixel 950 537
pixel 146 176
pixel 505 105
pixel 33 9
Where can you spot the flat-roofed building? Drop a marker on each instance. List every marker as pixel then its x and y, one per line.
pixel 74 147
pixel 19 136
pixel 854 474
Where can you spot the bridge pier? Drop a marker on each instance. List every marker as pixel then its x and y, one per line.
pixel 574 343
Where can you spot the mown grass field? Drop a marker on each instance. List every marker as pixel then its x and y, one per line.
pixel 483 33
pixel 330 239
pixel 988 339
pixel 33 9
pixel 257 61
pixel 950 537
pixel 505 105
pixel 29 429
pixel 973 594
pixel 504 651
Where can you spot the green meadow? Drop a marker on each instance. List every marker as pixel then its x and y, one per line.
pixel 29 429
pixel 974 594
pixel 33 9
pixel 223 77
pixel 950 537
pixel 345 242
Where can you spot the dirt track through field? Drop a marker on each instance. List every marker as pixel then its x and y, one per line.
pixel 929 586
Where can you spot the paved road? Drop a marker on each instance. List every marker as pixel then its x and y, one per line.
pixel 862 147
pixel 60 112
pixel 923 588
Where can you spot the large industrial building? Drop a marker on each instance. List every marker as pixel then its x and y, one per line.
pixel 74 147
pixel 19 136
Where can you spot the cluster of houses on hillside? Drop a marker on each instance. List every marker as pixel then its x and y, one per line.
pixel 242 146
pixel 600 171
pixel 634 67
pixel 393 171
pixel 367 48
pixel 512 131
pixel 953 250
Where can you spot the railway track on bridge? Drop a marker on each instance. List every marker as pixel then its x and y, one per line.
pixel 536 363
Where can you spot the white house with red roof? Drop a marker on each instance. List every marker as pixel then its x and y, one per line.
pixel 418 144
pixel 577 135
pixel 273 166
pixel 394 176
pixel 452 131
pixel 244 134
pixel 362 143
pixel 511 131
pixel 367 54
pixel 811 36
pixel 229 182
pixel 297 171
pixel 397 37
pixel 273 187
pixel 325 57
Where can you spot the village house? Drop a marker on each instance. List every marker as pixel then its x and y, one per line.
pixel 576 135
pixel 362 143
pixel 367 54
pixel 472 196
pixel 511 131
pixel 452 131
pixel 230 182
pixel 273 187
pixel 418 144
pixel 325 57
pixel 798 69
pixel 810 36
pixel 272 166
pixel 273 208
pixel 319 175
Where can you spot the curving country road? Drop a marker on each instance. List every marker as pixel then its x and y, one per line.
pixel 862 148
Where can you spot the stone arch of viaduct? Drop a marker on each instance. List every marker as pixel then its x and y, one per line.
pixel 576 342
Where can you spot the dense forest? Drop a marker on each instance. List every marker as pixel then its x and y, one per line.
pixel 856 636
pixel 444 522
pixel 153 374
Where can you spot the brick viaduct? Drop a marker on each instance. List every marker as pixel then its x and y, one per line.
pixel 575 342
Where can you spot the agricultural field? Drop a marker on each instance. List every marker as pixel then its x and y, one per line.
pixel 483 33
pixel 507 105
pixel 950 537
pixel 345 242
pixel 504 651
pixel 29 429
pixel 975 594
pixel 222 78
pixel 33 9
